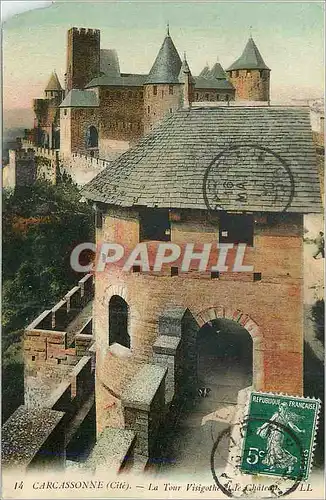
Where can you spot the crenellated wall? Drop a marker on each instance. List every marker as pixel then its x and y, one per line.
pixel 56 340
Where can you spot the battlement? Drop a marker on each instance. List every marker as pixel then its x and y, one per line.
pixel 82 168
pixel 21 154
pixel 51 154
pixel 91 161
pixel 89 32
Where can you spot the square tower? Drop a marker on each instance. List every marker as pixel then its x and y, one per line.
pixel 83 57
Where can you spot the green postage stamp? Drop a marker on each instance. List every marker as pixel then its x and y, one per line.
pixel 279 435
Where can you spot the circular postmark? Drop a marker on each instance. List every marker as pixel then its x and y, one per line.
pixel 226 464
pixel 248 177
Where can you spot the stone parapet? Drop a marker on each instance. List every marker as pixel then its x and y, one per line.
pixel 114 451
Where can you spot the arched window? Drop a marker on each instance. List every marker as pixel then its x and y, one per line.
pixel 118 321
pixel 92 137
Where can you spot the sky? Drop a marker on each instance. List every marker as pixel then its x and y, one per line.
pixel 289 35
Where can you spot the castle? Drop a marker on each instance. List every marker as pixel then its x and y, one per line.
pixel 102 111
pixel 109 368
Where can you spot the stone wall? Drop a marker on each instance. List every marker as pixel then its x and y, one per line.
pixel 55 341
pixel 274 302
pixel 121 113
pixel 82 168
pixel 21 170
pixel 40 437
pixel 251 85
pixel 204 95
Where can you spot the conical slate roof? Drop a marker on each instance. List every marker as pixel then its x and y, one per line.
pixel 53 83
pixel 167 65
pixel 205 72
pixel 217 72
pixel 250 58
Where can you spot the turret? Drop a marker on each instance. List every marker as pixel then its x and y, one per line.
pixel 53 90
pixel 250 75
pixel 162 89
pixel 187 81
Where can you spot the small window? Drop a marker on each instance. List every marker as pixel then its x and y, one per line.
pixel 197 97
pixel 227 97
pixel 171 110
pixel 257 276
pixel 217 97
pixel 155 90
pixel 237 228
pixel 215 275
pixel 65 111
pixel 174 271
pixel 136 269
pixel 171 89
pixel 248 72
pixel 154 224
pixel 162 94
pixel 207 97
pixel 33 358
pixel 236 73
pixel 141 94
pixel 148 109
pixel 129 93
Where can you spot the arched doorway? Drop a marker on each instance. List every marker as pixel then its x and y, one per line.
pixel 118 321
pixel 220 351
pixel 224 361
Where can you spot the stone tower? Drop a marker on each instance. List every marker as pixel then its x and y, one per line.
pixel 250 75
pixel 83 57
pixel 162 89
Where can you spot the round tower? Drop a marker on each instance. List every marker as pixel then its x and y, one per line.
pixel 250 75
pixel 162 89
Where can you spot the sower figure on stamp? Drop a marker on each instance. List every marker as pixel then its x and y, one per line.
pixel 276 454
pixel 320 242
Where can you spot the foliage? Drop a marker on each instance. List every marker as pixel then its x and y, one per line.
pixel 42 224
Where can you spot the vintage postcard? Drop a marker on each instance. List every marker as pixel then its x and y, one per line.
pixel 163 249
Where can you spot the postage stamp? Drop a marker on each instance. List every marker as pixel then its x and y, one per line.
pixel 279 436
